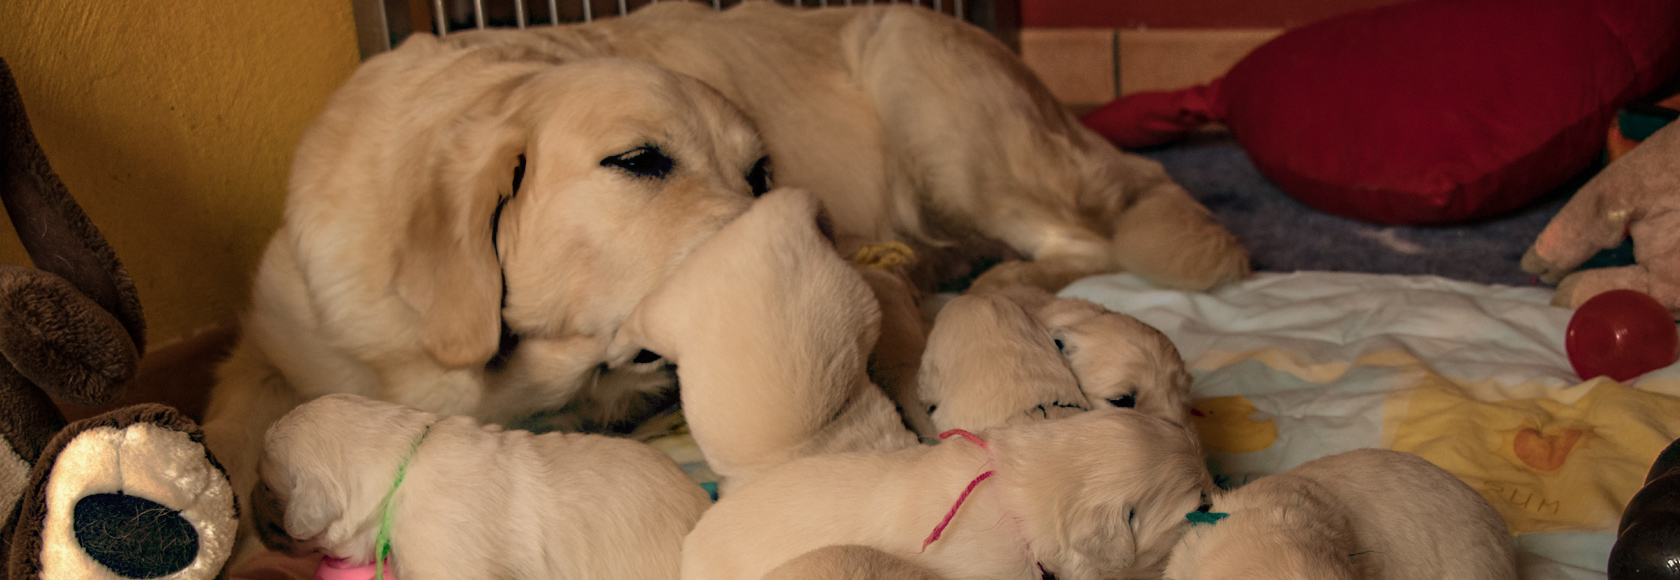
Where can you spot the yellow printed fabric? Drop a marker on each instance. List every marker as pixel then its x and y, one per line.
pixel 1474 378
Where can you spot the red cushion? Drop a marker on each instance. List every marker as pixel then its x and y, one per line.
pixel 1429 112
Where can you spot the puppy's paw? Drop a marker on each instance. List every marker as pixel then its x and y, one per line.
pixel 1013 274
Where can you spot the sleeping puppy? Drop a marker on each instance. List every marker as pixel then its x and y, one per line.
pixel 770 331
pixel 848 562
pixel 466 228
pixel 1370 514
pixel 469 500
pixel 913 126
pixel 989 364
pixel 1122 362
pixel 987 360
pixel 1100 495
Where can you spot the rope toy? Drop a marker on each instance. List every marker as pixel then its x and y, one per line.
pixel 884 255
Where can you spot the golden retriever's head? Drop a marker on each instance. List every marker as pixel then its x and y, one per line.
pixel 326 466
pixel 1122 362
pixel 988 363
pixel 458 201
pixel 1102 494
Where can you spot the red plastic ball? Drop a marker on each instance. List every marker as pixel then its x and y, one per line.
pixel 1621 334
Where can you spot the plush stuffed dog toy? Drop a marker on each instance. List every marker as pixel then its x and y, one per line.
pixel 129 494
pixel 1637 196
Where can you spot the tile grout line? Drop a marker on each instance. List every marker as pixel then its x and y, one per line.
pixel 1114 59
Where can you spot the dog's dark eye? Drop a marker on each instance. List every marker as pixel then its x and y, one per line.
pixel 1131 517
pixel 645 357
pixel 1060 346
pixel 518 175
pixel 760 177
pixel 931 408
pixel 1125 401
pixel 644 161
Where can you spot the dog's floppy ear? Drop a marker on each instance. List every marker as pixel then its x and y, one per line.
pixel 1099 536
pixel 447 267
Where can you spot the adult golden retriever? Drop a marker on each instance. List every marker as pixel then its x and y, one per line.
pixel 466 230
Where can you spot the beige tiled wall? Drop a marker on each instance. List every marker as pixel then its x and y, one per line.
pixel 1090 66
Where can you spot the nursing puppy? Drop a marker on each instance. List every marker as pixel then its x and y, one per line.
pixel 465 229
pixel 1100 495
pixel 913 126
pixel 1369 514
pixel 470 500
pixel 989 364
pixel 770 331
pixel 851 562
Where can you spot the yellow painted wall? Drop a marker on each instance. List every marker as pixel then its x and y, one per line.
pixel 172 122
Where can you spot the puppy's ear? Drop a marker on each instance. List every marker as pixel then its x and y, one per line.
pixel 1100 537
pixel 447 269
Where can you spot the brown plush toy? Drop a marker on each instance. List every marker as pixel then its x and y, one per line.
pixel 1638 195
pixel 129 494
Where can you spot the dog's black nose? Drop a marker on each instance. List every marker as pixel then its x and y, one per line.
pixel 134 536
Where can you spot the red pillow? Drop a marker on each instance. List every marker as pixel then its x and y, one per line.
pixel 1428 112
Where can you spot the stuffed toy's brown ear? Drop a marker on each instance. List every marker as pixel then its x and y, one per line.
pixel 53 229
pixel 129 494
pixel 71 327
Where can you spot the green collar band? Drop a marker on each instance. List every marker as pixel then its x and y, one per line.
pixel 382 541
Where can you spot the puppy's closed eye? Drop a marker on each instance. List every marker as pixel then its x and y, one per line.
pixel 644 161
pixel 1125 401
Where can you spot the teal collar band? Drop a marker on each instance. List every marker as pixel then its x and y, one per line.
pixel 1204 517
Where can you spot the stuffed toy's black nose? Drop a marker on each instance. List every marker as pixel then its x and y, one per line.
pixel 134 536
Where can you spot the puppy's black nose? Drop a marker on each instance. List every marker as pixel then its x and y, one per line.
pixel 134 536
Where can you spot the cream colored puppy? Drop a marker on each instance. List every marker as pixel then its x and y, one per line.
pixel 469 500
pixel 989 364
pixel 770 331
pixel 848 562
pixel 1122 362
pixel 1100 495
pixel 989 360
pixel 1369 514
pixel 465 229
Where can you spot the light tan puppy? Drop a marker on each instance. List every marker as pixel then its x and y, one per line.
pixel 989 361
pixel 989 364
pixel 469 500
pixel 913 126
pixel 848 562
pixel 1122 362
pixel 770 331
pixel 1100 495
pixel 466 228
pixel 1369 514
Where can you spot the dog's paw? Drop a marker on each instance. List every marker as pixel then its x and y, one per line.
pixel 1016 273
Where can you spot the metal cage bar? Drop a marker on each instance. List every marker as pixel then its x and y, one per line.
pixel 378 30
